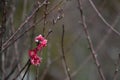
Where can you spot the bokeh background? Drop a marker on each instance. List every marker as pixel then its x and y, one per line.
pixel 77 53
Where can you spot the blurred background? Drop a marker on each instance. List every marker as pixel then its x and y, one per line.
pixel 52 16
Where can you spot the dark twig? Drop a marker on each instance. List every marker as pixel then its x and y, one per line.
pixel 63 54
pixel 102 18
pixel 50 31
pixel 117 68
pixel 90 42
pixel 29 64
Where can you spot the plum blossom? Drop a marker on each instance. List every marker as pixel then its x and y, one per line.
pixel 44 43
pixel 39 38
pixel 41 43
pixel 36 60
pixel 32 53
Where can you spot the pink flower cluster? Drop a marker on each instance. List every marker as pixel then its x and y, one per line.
pixel 34 58
pixel 42 42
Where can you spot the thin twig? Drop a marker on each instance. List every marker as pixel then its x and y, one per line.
pixel 26 70
pixel 102 18
pixel 90 42
pixel 63 54
pixel 49 32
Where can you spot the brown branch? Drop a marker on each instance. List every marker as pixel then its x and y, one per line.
pixel 102 18
pixel 63 54
pixel 94 54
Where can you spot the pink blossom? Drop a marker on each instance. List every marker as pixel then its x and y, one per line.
pixel 32 53
pixel 44 43
pixel 39 47
pixel 39 38
pixel 36 60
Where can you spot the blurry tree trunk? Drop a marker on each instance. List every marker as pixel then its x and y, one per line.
pixel 2 31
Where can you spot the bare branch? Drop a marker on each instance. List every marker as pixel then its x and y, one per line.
pixel 102 18
pixel 63 54
pixel 26 70
pixel 94 54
